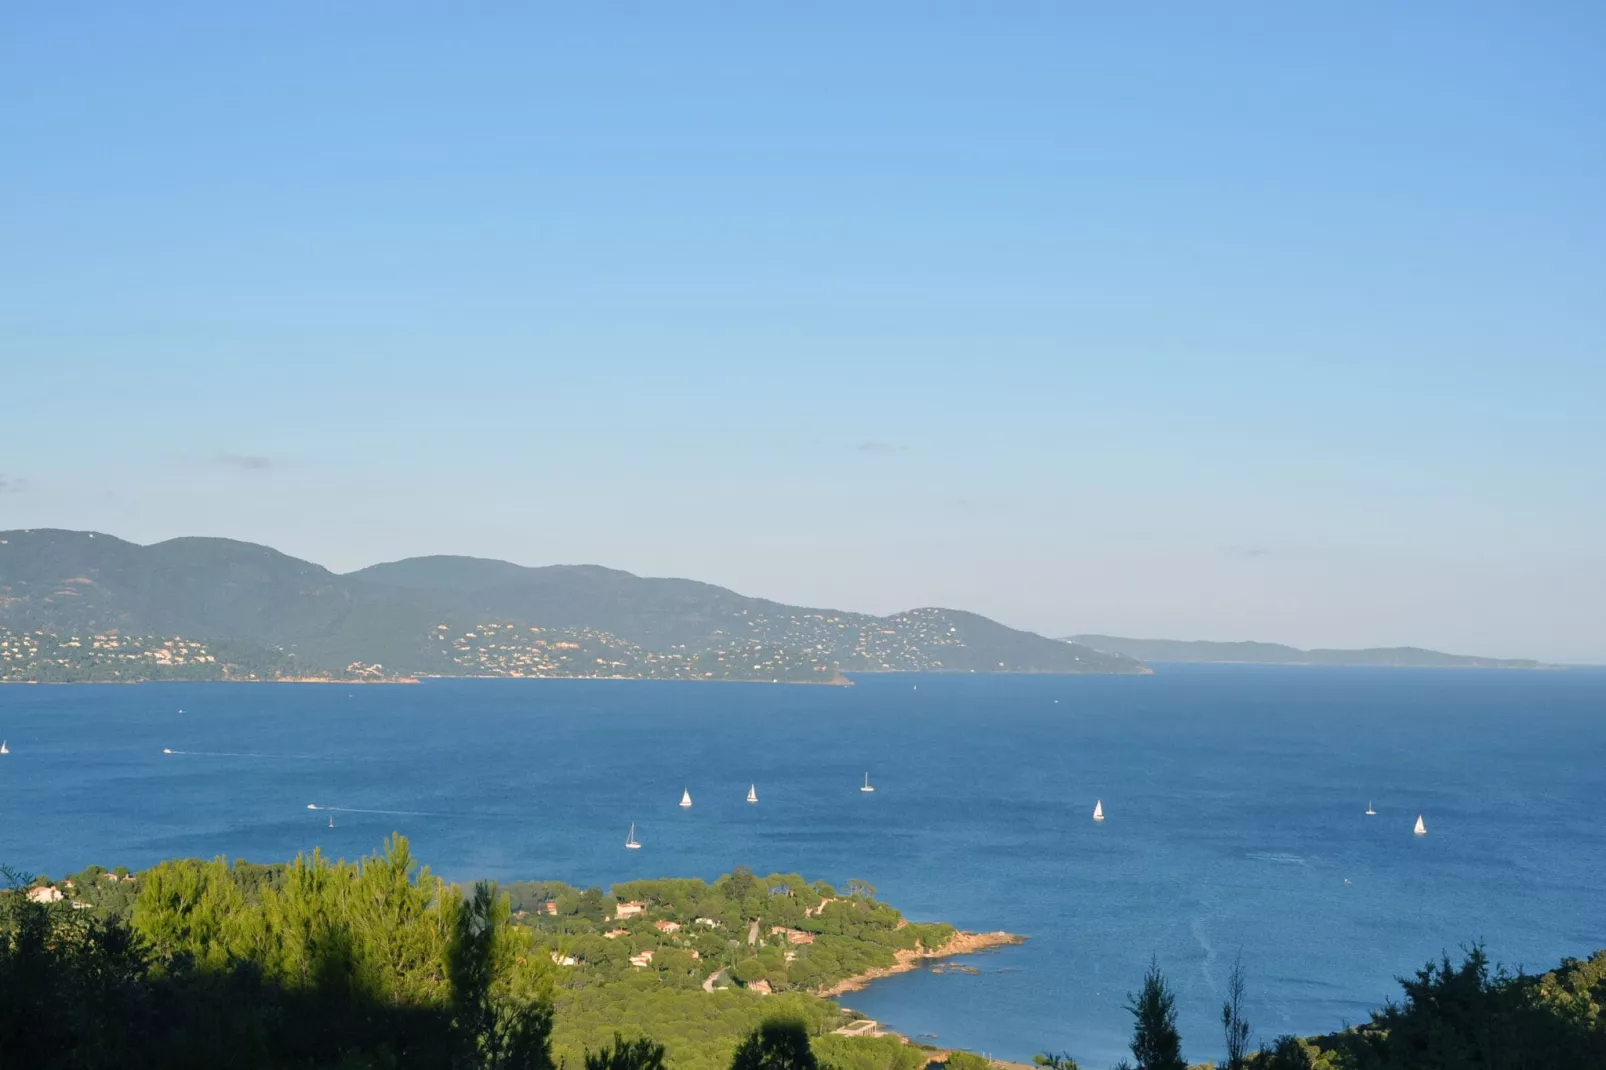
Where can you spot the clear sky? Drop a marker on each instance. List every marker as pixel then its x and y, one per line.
pixel 1233 320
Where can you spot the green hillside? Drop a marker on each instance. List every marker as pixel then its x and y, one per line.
pixel 459 616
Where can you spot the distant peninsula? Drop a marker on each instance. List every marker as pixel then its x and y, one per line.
pixel 1251 653
pixel 80 606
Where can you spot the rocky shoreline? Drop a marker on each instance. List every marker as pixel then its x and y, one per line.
pixel 961 943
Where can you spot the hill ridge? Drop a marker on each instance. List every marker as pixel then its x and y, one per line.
pixel 456 615
pixel 1205 651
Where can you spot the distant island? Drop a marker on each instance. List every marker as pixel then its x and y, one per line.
pixel 78 606
pixel 1249 653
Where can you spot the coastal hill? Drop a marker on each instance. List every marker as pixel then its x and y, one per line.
pixel 1250 653
pixel 80 605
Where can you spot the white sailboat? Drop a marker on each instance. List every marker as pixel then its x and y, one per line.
pixel 867 786
pixel 685 797
pixel 630 838
pixel 752 793
pixel 331 820
pixel 3 748
pixel 1369 811
pixel 1098 810
pixel 1421 829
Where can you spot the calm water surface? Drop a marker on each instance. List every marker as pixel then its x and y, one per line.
pixel 1235 801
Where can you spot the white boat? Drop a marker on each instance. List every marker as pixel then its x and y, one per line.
pixel 1098 810
pixel 3 748
pixel 1421 829
pixel 752 793
pixel 331 820
pixel 630 838
pixel 685 797
pixel 867 786
pixel 1369 811
pixel 167 750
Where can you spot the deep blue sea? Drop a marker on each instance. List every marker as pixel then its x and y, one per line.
pixel 1234 795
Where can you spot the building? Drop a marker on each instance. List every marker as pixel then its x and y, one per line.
pixel 629 910
pixel 44 894
pixel 796 936
pixel 667 926
pixel 641 959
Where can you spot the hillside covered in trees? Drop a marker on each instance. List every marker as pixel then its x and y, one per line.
pixel 64 592
pixel 380 960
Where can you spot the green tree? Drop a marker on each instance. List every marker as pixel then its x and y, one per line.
pixel 778 1044
pixel 1054 1061
pixel 966 1060
pixel 638 1054
pixel 504 1025
pixel 1287 1053
pixel 1156 1044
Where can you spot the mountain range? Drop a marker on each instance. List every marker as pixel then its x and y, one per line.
pixel 1278 654
pixel 78 605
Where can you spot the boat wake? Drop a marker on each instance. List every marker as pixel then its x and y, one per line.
pixel 247 754
pixel 396 813
pixel 1280 858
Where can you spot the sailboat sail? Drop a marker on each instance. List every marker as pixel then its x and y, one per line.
pixel 1098 810
pixel 685 797
pixel 3 748
pixel 630 838
pixel 1369 811
pixel 867 786
pixel 1421 829
pixel 752 793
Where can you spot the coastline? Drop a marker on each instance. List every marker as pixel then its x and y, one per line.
pixel 232 680
pixel 961 943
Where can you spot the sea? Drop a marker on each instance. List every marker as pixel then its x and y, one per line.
pixel 1234 796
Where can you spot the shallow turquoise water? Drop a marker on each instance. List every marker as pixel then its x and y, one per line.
pixel 1234 795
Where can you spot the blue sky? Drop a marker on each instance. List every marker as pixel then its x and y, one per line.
pixel 1221 321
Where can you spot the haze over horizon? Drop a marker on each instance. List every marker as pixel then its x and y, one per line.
pixel 1254 324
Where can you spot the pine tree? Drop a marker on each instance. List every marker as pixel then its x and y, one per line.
pixel 778 1044
pixel 1156 1044
pixel 638 1054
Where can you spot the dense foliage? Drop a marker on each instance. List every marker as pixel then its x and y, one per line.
pixel 317 964
pixel 1468 1015
pixel 378 963
pixel 1452 1017
pixel 671 956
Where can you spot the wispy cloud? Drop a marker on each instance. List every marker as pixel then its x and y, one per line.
pixel 879 447
pixel 248 462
